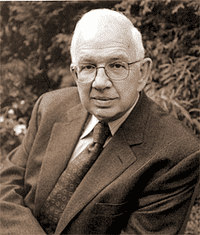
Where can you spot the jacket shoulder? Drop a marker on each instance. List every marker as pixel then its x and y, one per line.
pixel 61 96
pixel 55 104
pixel 165 130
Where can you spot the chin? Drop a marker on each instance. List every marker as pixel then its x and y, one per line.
pixel 106 114
pixel 102 117
pixel 106 118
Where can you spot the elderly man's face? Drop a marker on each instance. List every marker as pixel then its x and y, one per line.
pixel 105 98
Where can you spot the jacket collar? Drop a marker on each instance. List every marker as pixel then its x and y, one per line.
pixel 134 126
pixel 63 139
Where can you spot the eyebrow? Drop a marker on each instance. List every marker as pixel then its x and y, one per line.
pixel 92 59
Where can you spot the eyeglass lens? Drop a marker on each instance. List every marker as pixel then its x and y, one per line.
pixel 116 71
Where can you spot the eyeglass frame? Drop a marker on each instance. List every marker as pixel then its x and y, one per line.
pixel 73 68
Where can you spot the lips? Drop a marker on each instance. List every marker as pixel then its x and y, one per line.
pixel 103 102
pixel 103 98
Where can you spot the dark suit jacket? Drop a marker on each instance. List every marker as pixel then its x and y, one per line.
pixel 143 182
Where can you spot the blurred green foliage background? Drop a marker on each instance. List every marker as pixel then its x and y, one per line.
pixel 35 40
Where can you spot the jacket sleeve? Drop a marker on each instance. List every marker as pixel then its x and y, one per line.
pixel 165 204
pixel 15 217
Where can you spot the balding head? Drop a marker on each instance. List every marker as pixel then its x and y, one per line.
pixel 102 25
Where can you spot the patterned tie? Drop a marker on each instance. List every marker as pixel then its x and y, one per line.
pixel 69 180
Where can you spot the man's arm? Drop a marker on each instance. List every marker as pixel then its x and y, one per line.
pixel 15 217
pixel 165 204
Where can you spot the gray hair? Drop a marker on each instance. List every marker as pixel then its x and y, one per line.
pixel 104 14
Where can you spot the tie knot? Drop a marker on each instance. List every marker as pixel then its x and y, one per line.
pixel 101 132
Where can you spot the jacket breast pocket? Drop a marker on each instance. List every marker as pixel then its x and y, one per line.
pixel 110 210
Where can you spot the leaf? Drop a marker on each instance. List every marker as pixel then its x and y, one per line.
pixel 195 48
pixel 184 111
pixel 182 72
pixel 194 110
pixel 196 123
pixel 175 10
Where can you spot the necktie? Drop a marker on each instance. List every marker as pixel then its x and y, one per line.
pixel 69 180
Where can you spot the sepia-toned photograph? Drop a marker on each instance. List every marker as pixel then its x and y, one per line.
pixel 100 117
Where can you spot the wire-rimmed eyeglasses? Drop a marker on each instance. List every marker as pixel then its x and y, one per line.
pixel 117 70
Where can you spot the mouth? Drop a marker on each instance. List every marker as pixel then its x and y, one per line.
pixel 103 98
pixel 103 102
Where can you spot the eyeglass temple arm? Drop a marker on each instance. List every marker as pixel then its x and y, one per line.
pixel 135 62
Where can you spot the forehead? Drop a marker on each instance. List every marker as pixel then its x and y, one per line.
pixel 103 52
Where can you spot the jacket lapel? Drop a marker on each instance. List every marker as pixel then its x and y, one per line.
pixel 113 161
pixel 102 173
pixel 64 137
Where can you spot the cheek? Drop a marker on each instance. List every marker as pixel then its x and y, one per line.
pixel 84 93
pixel 128 91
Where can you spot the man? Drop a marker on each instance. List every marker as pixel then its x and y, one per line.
pixel 144 181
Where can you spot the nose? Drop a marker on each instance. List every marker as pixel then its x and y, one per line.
pixel 101 81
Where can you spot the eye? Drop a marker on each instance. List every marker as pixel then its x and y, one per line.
pixel 87 68
pixel 117 65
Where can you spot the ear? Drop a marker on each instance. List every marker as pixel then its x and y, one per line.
pixel 73 72
pixel 145 70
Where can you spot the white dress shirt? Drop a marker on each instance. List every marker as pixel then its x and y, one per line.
pixel 86 137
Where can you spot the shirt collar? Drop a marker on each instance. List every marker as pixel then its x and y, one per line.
pixel 90 126
pixel 114 126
